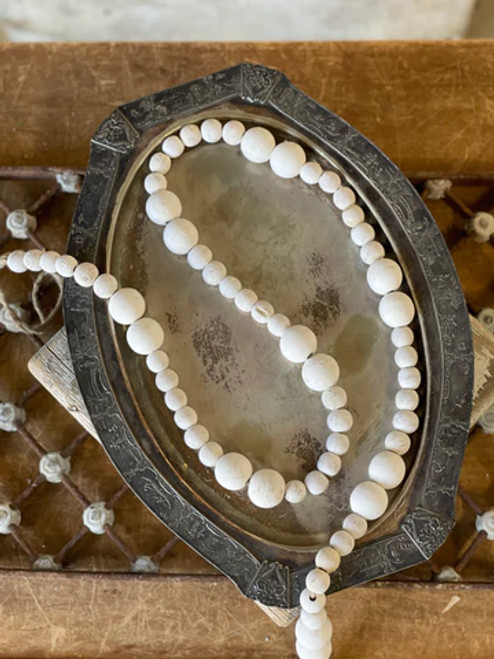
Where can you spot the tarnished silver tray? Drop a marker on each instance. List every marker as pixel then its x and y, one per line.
pixel 286 241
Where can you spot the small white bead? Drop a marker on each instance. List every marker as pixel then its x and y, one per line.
pixel 340 421
pixel 362 234
pixel 314 640
pixel 245 300
pixel 211 130
pixel 384 276
pixel 190 135
pixel 343 542
pixel 154 182
pixel 126 306
pixel 233 132
pixel 31 260
pixel 407 399
pixel 398 442
pixel 86 274
pixel 64 265
pixel 287 159
pixel 229 287
pixel 173 146
pixel 387 469
pixel 166 379
pixel 317 581
pixel 213 273
pixel 406 421
pixel 334 398
pixel 48 261
pixel 313 620
pixel 337 443
pixel 329 464
pixel 180 236
pixel 396 309
pixel 352 216
pixel 406 357
pixel 262 311
pixel 311 602
pixel 232 471
pixel 316 483
pixel 277 324
pixel 356 525
pixel 329 182
pixel 369 500
pixel 196 436
pixel 209 454
pixel 266 488
pixel 401 337
pixel 328 559
pixel 157 361
pixel 371 252
pixel 185 417
pixel 163 206
pixel 160 162
pixel 344 197
pixel 311 173
pixel 320 372
pixel 199 256
pixel 257 144
pixel 409 378
pixel 295 491
pixel 105 286
pixel 175 399
pixel 298 343
pixel 145 336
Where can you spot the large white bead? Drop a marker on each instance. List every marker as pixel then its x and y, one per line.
pixel 317 581
pixel 371 252
pixel 297 343
pixel 157 361
pixel 334 398
pixel 199 256
pixel 266 488
pixel 314 639
pixel 232 471
pixel 180 236
pixel 154 182
pixel 105 286
pixel 311 173
pixel 356 525
pixel 320 372
pixel 213 273
pixel 185 417
pixel 126 306
pixel 407 399
pixel 388 469
pixel 160 162
pixel 329 464
pixel 401 337
pixel 384 276
pixel 328 559
pixel 175 399
pixel 343 542
pixel 369 500
pixel 277 324
pixel 211 130
pixel 344 198
pixel 295 491
pixel 229 287
pixel 398 442
pixel 316 483
pixel 396 309
pixel 190 135
pixel 304 652
pixel 406 421
pixel 329 182
pixel 145 336
pixel 163 206
pixel 210 453
pixel 15 261
pixel 314 620
pixel 340 421
pixel 257 144
pixel 287 159
pixel 173 146
pixel 166 379
pixel 353 215
pixel 406 357
pixel 48 261
pixel 85 274
pixel 362 234
pixel 337 443
pixel 311 602
pixel 409 378
pixel 233 131
pixel 196 436
pixel 64 265
pixel 245 300
pixel 262 311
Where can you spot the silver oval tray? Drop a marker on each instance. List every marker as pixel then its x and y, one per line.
pixel 284 240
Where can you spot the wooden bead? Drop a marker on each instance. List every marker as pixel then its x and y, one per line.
pixel 199 256
pixel 362 234
pixel 316 483
pixel 314 620
pixel 369 500
pixel 105 286
pixel 211 130
pixel 328 559
pixel 307 653
pixel 245 300
pixel 160 162
pixel 64 265
pixel 48 261
pixel 154 182
pixel 329 464
pixel 353 215
pixel 262 311
pixel 387 469
pixel 320 372
pixel 126 306
pixel 277 324
pixel 166 380
pixel 406 357
pixel 185 417
pixel 317 581
pixel 407 399
pixel 196 436
pixel 398 442
pixel 396 309
pixel 371 252
pixel 173 146
pixel 190 135
pixel 145 336
pixel 311 173
pixel 384 276
pixel 175 399
pixel 406 421
pixel 257 144
pixel 401 337
pixel 337 443
pixel 180 236
pixel 287 159
pixel 233 132
pixel 311 602
pixel 32 258
pixel 334 398
pixel 409 378
pixel 340 421
pixel 295 491
pixel 344 197
pixel 157 361
pixel 232 471
pixel 163 206
pixel 343 542
pixel 266 488
pixel 229 287
pixel 313 639
pixel 85 274
pixel 15 261
pixel 356 525
pixel 209 454
pixel 213 273
pixel 298 343
pixel 329 182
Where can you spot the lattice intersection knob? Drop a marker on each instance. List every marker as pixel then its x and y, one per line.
pixel 485 523
pixel 11 417
pixel 46 562
pixel 8 517
pixel 96 516
pixel 54 466
pixel 20 223
pixel 145 564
